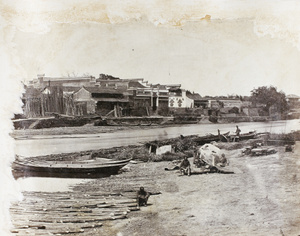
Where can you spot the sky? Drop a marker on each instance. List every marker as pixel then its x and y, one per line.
pixel 211 48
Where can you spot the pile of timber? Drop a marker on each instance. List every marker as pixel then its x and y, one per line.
pixel 83 209
pixel 180 144
pixel 43 213
pixel 259 151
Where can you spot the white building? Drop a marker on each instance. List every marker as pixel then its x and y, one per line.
pixel 178 99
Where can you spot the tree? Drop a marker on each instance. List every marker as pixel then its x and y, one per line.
pixel 268 97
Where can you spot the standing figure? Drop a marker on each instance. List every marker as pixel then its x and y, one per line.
pixel 142 197
pixel 237 133
pixel 185 167
pixel 196 156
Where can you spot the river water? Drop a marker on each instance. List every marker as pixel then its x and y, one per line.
pixel 55 144
pixel 40 184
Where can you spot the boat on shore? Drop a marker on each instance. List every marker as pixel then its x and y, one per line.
pixel 246 136
pixel 67 169
pixel 212 138
pixel 242 137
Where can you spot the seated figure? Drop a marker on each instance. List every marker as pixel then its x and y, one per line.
pixel 198 159
pixel 142 197
pixel 185 167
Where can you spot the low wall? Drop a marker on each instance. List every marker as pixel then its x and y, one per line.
pixel 51 122
pixel 139 120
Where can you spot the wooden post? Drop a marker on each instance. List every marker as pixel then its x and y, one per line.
pixel 115 111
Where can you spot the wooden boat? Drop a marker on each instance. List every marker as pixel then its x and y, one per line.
pixel 67 169
pixel 244 136
pixel 211 138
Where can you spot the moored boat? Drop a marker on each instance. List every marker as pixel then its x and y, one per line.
pixel 211 138
pixel 67 169
pixel 244 136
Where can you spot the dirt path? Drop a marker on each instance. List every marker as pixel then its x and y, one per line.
pixel 261 198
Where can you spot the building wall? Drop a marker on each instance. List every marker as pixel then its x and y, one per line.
pixel 82 95
pixel 91 107
pixel 251 111
pixel 246 103
pixel 42 82
pixel 33 107
pixel 189 103
pixel 85 96
pixel 52 100
pixel 163 107
pixel 232 103
pixel 181 101
pixel 214 104
pixel 116 84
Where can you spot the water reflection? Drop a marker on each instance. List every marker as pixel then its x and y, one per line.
pixel 41 184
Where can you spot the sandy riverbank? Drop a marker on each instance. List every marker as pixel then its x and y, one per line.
pixel 260 198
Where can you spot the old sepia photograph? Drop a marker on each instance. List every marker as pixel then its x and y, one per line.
pixel 153 118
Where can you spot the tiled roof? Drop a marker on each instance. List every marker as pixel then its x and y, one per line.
pixel 67 78
pixel 159 86
pixel 135 84
pixel 104 90
pixel 194 96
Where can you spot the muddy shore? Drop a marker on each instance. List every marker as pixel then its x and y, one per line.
pixel 260 198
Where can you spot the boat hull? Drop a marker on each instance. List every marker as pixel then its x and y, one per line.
pixel 207 139
pixel 64 170
pixel 248 136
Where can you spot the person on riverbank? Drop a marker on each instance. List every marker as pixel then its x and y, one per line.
pixel 185 167
pixel 219 160
pixel 237 131
pixel 198 159
pixel 237 134
pixel 142 197
pixel 196 155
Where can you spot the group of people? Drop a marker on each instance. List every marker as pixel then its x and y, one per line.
pixel 199 160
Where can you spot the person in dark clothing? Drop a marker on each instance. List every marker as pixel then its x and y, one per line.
pixel 238 131
pixel 142 197
pixel 198 159
pixel 237 134
pixel 185 167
